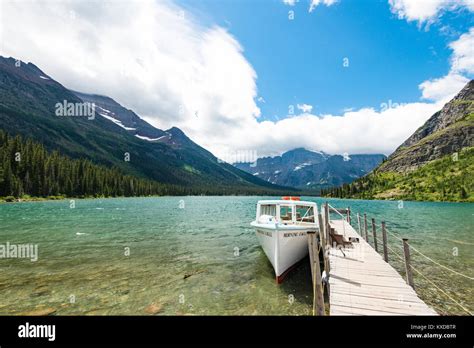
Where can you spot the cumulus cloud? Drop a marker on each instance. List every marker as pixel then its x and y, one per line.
pixel 462 62
pixel 426 10
pixel 443 88
pixel 158 60
pixel 362 131
pixel 149 55
pixel 313 3
pixel 316 3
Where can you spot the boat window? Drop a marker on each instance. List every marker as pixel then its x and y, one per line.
pixel 304 213
pixel 285 212
pixel 268 209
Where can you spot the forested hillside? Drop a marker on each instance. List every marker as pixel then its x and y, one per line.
pixel 446 179
pixel 28 105
pixel 28 169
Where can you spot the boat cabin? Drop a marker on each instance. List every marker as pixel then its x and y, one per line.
pixel 287 212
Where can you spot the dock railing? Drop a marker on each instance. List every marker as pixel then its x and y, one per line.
pixel 404 255
pixel 320 243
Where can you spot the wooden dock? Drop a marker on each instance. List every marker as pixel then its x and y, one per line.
pixel 358 279
pixel 362 283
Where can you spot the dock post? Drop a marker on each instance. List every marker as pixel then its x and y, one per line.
pixel 406 251
pixel 322 240
pixel 384 238
pixel 327 226
pixel 348 211
pixel 374 233
pixel 318 299
pixel 358 223
pixel 365 228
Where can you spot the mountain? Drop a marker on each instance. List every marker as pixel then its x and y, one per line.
pixel 447 131
pixel 115 137
pixel 305 169
pixel 434 163
pixel 125 118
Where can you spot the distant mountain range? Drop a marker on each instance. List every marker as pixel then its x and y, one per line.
pixel 434 163
pixel 304 169
pixel 28 101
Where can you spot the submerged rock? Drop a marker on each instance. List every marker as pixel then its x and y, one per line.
pixel 154 308
pixel 40 292
pixel 189 274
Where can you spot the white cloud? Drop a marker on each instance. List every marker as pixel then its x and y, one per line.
pixel 361 131
pixel 443 88
pixel 149 58
pixel 315 3
pixel 426 10
pixel 144 54
pixel 305 108
pixel 462 60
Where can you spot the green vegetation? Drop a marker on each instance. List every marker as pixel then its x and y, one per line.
pixel 29 172
pixel 446 179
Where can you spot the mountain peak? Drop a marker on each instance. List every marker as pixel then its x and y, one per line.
pixel 176 132
pixel 453 111
pixel 447 131
pixel 27 71
pixel 302 168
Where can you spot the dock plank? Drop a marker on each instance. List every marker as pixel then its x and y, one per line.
pixel 362 283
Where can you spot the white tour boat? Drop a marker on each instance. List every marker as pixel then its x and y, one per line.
pixel 281 228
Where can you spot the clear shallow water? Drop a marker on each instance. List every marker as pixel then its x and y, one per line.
pixel 82 256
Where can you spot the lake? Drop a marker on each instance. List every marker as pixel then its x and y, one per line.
pixel 199 255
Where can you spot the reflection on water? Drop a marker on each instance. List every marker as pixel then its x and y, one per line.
pixel 160 256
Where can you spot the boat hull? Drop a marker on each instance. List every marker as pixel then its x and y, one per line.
pixel 284 246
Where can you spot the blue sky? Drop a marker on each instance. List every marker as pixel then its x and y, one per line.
pixel 204 66
pixel 301 60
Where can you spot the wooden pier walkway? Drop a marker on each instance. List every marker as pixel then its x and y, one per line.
pixel 362 283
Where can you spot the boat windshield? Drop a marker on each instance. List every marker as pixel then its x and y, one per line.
pixel 268 209
pixel 286 212
pixel 305 213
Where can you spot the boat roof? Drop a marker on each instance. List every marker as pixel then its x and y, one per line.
pixel 286 202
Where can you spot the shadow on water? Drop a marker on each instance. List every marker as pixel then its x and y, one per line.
pixel 298 283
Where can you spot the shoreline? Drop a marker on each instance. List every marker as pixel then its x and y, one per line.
pixel 12 200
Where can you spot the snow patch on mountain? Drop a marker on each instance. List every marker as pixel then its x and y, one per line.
pixel 150 139
pixel 106 114
pixel 117 122
pixel 301 166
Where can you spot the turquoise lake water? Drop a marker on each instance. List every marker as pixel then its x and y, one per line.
pixel 199 255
